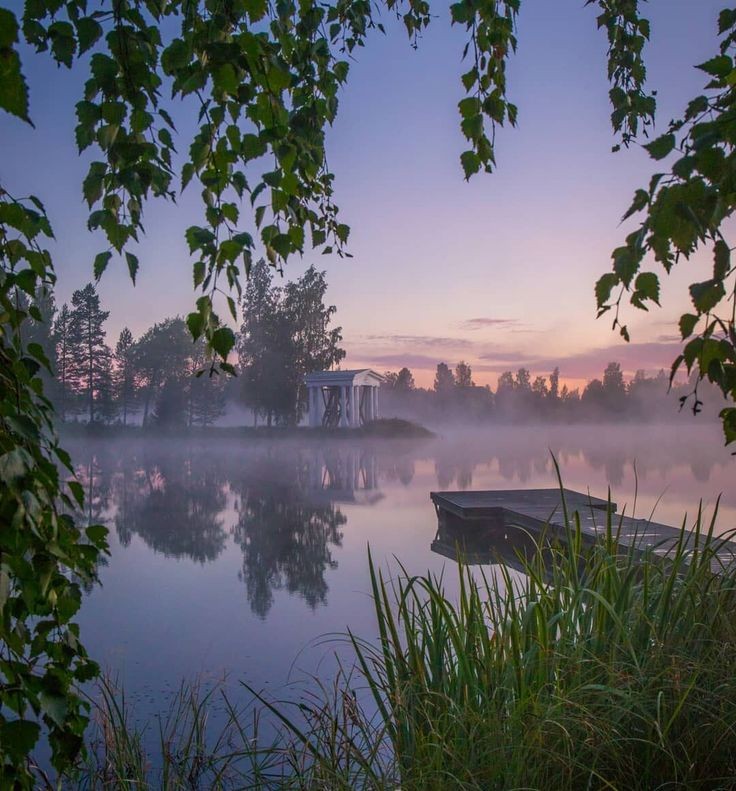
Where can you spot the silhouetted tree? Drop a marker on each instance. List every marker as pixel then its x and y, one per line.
pixel 65 354
pixel 614 389
pixel 170 409
pixel 91 365
pixel 285 334
pixel 205 389
pixel 444 381
pixel 389 380
pixel 463 375
pixel 162 351
pixel 316 345
pixel 523 381
pixel 593 396
pixel 554 385
pixel 404 381
pixel 124 380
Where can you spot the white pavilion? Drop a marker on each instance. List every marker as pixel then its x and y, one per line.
pixel 344 399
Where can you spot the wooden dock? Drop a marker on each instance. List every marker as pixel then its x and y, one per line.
pixel 499 521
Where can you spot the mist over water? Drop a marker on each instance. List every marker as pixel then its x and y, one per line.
pixel 231 557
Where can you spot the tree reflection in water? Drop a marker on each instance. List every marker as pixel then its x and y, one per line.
pixel 174 502
pixel 276 503
pixel 279 503
pixel 286 539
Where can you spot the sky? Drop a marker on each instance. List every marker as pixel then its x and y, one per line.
pixel 498 272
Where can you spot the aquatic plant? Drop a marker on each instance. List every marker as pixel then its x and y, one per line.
pixel 600 667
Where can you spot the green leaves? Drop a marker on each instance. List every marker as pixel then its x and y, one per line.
pixel 63 42
pixel 133 265
pixel 646 288
pixel 626 263
pixel 101 262
pixel 707 295
pixel 720 66
pixel 628 33
pixel 722 260
pixel 195 323
pixel 603 289
pixel 89 31
pixel 683 211
pixel 13 87
pixel 491 29
pixel 687 324
pixel 222 342
pixel 661 146
pixel 18 738
pixel 471 163
pixel 41 652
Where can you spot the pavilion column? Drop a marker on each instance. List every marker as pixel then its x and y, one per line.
pixel 311 407
pixel 355 403
pixel 319 406
pixel 343 406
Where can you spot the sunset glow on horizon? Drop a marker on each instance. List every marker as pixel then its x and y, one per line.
pixel 498 272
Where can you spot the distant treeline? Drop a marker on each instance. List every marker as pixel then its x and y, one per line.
pixel 162 378
pixel 519 397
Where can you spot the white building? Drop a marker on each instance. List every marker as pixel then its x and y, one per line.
pixel 342 398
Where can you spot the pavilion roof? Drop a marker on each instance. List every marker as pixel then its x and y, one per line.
pixel 357 376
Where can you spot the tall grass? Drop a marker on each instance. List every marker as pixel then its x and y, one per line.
pixel 597 669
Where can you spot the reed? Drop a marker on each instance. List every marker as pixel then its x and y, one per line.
pixel 596 669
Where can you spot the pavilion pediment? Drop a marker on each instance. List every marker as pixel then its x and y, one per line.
pixel 343 398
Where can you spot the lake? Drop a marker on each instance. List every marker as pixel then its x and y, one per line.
pixel 231 558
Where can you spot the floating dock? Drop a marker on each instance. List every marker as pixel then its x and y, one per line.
pixel 486 524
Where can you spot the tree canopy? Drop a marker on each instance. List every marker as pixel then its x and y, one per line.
pixel 262 79
pixel 285 334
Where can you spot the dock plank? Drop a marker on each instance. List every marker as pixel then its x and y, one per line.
pixel 497 514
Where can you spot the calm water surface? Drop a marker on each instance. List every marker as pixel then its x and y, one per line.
pixel 231 558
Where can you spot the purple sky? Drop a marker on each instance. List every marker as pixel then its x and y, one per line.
pixel 498 272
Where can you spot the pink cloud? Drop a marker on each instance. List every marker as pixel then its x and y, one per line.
pixel 485 322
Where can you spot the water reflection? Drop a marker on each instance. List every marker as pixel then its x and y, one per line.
pixel 345 473
pixel 286 536
pixel 173 502
pixel 278 504
pixel 231 558
pixel 285 506
pixel 480 545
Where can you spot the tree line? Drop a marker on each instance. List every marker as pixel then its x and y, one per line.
pixel 154 375
pixel 163 378
pixel 519 396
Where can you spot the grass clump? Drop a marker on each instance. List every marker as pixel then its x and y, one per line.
pixel 596 669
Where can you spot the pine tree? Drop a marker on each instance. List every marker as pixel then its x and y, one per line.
pixel 65 355
pixel 105 401
pixel 124 379
pixel 91 366
pixel 444 380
